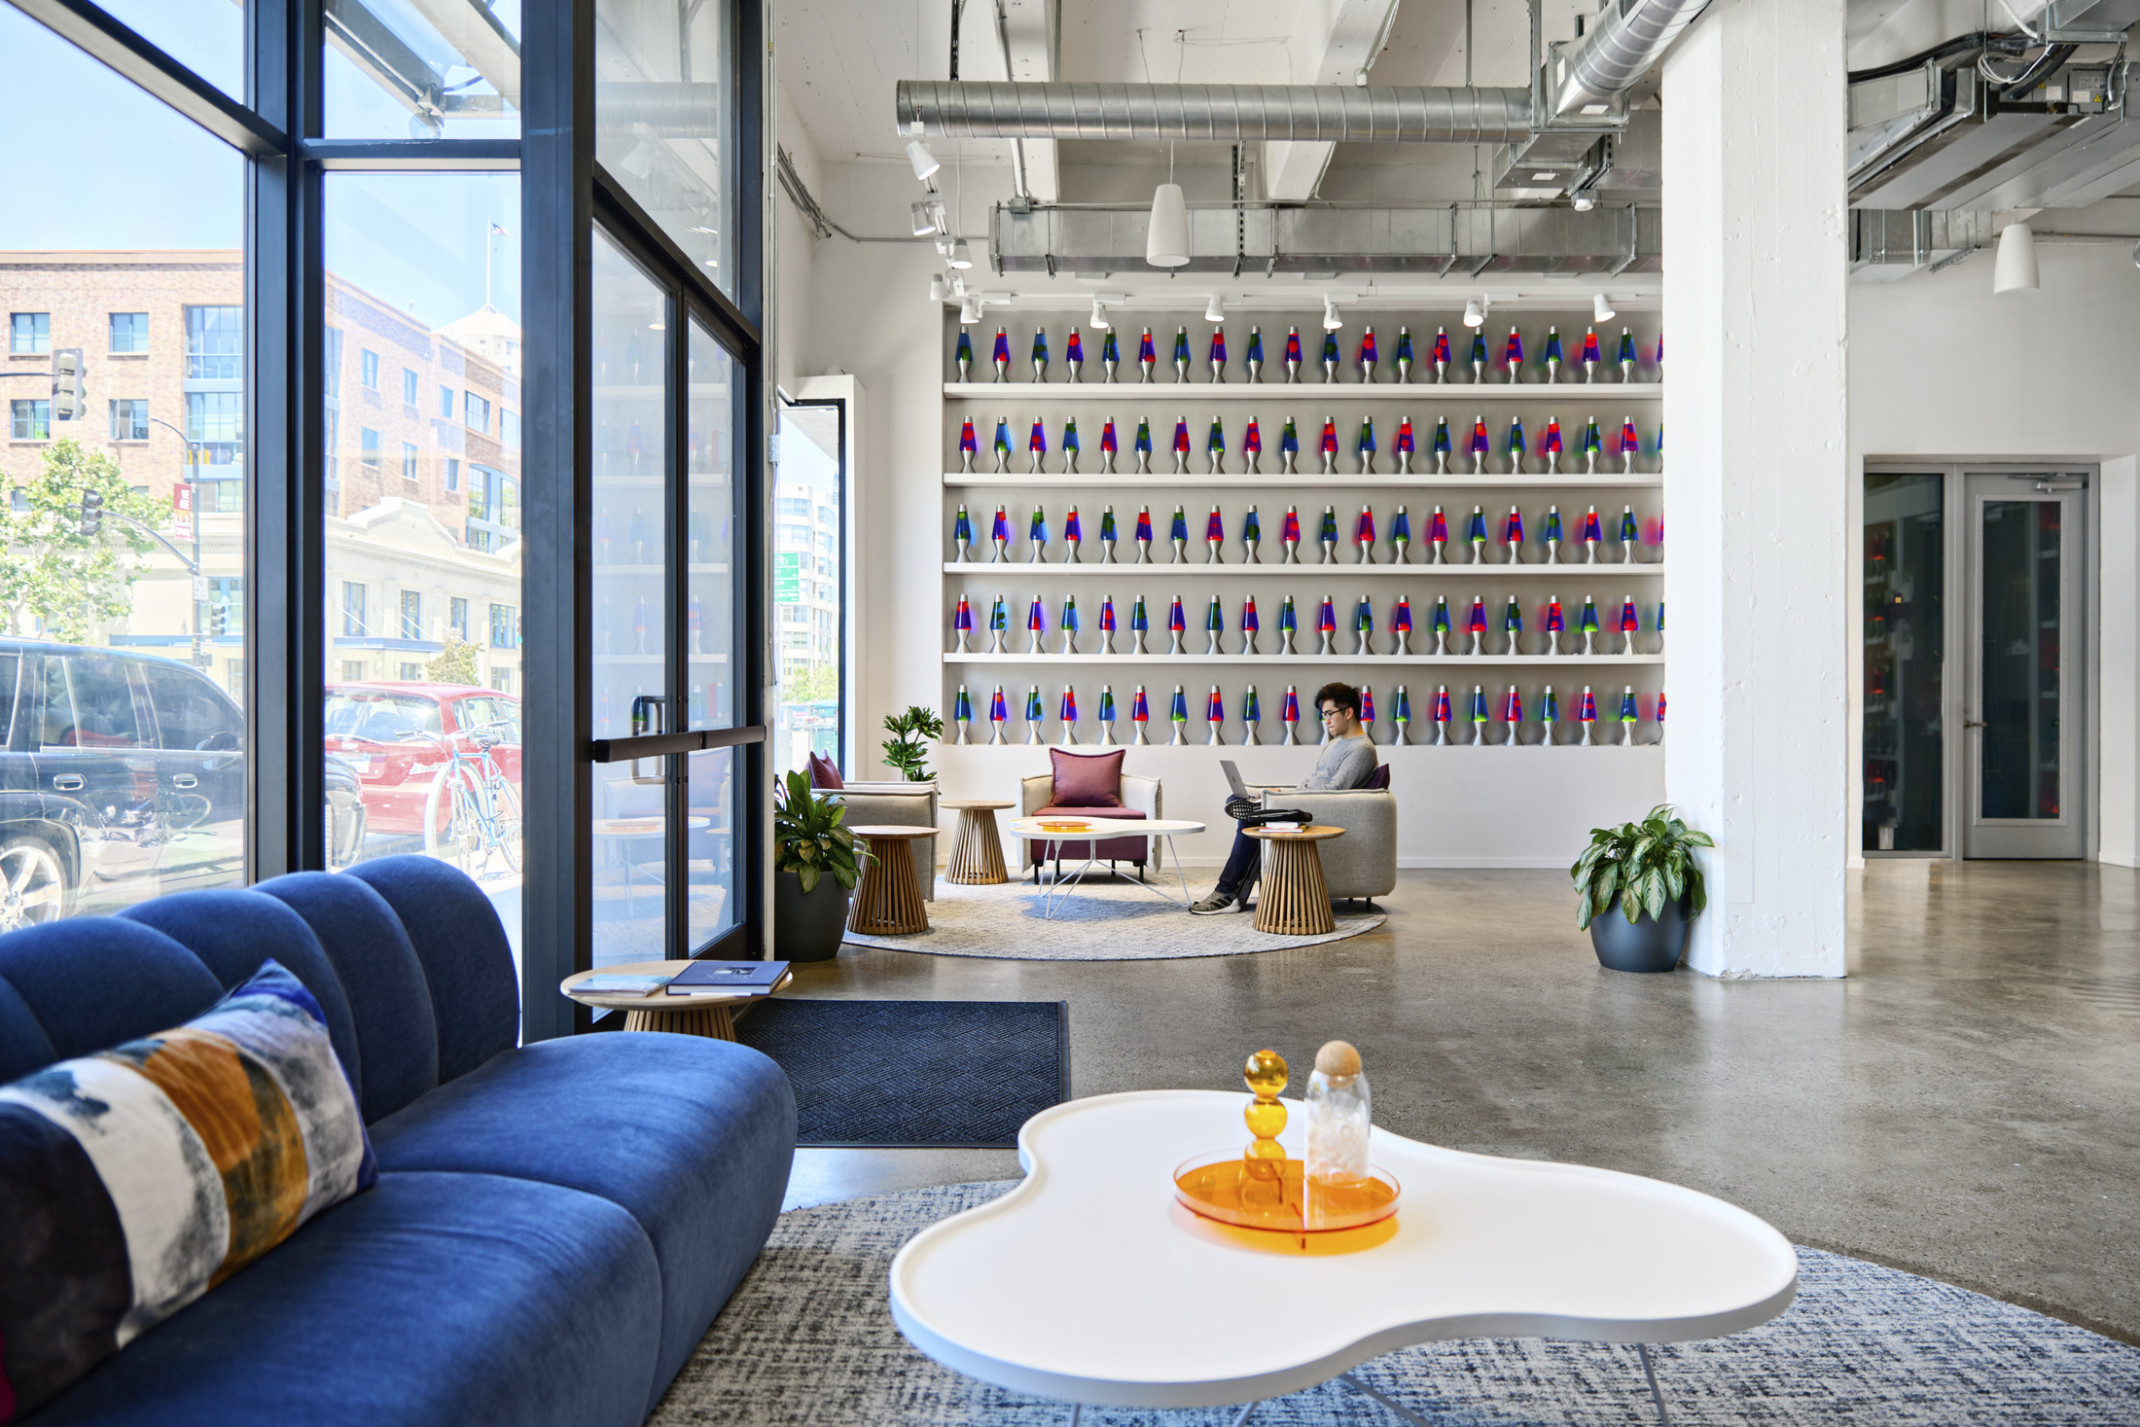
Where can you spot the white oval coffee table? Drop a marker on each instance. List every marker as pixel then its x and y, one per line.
pixel 1051 833
pixel 1088 1284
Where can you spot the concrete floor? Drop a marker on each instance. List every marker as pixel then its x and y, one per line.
pixel 1966 1105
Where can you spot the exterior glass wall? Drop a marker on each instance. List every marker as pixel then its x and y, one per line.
pixel 422 368
pixel 422 69
pixel 122 541
pixel 809 614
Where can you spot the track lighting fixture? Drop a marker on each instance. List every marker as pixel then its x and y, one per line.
pixel 961 255
pixel 938 288
pixel 1475 312
pixel 1601 308
pixel 1585 200
pixel 922 221
pixel 925 163
pixel 1099 314
pixel 1214 311
pixel 969 311
pixel 1331 320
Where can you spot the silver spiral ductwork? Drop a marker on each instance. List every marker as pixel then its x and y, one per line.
pixel 1629 38
pixel 1315 113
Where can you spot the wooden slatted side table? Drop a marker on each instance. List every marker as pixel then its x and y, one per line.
pixel 976 850
pixel 1294 900
pixel 708 1015
pixel 888 901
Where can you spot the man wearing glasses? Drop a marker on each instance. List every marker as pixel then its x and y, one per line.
pixel 1347 761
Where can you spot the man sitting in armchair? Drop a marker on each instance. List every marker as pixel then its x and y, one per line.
pixel 1347 761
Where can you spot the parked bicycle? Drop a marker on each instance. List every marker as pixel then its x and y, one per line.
pixel 472 809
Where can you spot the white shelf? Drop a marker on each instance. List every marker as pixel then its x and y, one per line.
pixel 953 567
pixel 1268 480
pixel 1479 661
pixel 1235 389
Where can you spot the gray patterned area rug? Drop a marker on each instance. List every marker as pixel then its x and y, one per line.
pixel 809 1339
pixel 1098 920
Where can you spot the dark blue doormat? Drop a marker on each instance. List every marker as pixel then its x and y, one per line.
pixel 915 1074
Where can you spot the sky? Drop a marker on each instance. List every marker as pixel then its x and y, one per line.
pixel 96 163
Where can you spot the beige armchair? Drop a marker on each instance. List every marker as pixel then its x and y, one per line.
pixel 896 804
pixel 1362 863
pixel 1138 795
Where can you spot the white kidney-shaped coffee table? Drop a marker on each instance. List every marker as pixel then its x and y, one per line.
pixel 1088 1284
pixel 1092 832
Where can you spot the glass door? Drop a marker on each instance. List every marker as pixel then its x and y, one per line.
pixel 2025 754
pixel 1905 688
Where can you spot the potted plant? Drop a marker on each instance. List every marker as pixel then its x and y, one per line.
pixel 908 748
pixel 1639 886
pixel 815 868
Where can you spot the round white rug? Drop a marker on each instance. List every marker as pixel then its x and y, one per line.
pixel 808 1341
pixel 1100 919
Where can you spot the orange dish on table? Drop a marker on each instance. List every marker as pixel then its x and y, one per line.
pixel 1066 827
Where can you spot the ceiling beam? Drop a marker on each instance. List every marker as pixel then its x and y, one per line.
pixel 1031 32
pixel 476 35
pixel 1333 42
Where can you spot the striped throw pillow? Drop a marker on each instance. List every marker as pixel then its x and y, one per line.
pixel 134 1180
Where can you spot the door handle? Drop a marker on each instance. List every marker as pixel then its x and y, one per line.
pixel 655 709
pixel 185 780
pixel 68 782
pixel 1972 723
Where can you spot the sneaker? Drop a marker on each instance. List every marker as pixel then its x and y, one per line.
pixel 1216 902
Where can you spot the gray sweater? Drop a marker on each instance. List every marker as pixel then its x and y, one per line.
pixel 1345 763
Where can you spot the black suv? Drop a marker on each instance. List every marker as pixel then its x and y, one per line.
pixel 122 776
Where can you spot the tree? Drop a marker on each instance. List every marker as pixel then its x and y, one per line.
pixel 455 664
pixel 51 570
pixel 813 685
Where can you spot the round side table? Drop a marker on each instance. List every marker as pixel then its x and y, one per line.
pixel 976 851
pixel 888 902
pixel 1294 900
pixel 684 1015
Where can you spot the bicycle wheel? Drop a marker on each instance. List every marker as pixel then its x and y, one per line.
pixel 452 815
pixel 506 821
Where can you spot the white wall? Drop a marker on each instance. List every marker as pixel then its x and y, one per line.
pixel 1941 368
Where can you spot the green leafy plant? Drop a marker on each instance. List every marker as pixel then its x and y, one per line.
pixel 908 750
pixel 808 839
pixel 49 569
pixel 1644 864
pixel 454 664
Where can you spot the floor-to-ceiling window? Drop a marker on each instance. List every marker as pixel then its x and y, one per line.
pixel 122 537
pixel 809 583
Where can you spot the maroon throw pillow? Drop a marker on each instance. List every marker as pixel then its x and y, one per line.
pixel 1087 780
pixel 824 774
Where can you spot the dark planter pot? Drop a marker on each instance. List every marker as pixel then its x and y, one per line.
pixel 1652 944
pixel 808 926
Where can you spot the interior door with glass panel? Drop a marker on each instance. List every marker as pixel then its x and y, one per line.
pixel 2025 762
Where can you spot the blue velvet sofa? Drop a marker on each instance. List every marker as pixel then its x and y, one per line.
pixel 554 1225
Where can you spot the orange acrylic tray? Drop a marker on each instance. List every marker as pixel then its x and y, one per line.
pixel 1066 827
pixel 1223 1187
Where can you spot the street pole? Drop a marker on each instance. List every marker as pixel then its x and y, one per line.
pixel 199 587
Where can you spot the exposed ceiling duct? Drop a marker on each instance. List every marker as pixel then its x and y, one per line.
pixel 1323 240
pixel 1318 113
pixel 1628 38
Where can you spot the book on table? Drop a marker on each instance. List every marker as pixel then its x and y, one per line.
pixel 728 978
pixel 622 983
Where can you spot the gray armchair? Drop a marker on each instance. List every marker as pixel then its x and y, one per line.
pixel 895 804
pixel 1362 863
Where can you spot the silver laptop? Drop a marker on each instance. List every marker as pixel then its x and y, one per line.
pixel 1233 778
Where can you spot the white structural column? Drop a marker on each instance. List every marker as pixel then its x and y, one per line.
pixel 1333 42
pixel 1756 478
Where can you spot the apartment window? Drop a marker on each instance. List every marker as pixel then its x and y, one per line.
pixel 18 501
pixel 368 440
pixel 215 343
pixel 502 623
pixel 234 678
pixel 445 403
pixel 478 412
pixel 409 387
pixel 509 430
pixel 130 419
pixel 368 369
pixel 457 617
pixel 31 418
pixel 412 673
pixel 502 680
pixel 331 358
pixel 129 332
pixel 791 505
pixel 29 332
pixel 352 670
pixel 453 473
pixel 412 614
pixel 408 461
pixel 353 612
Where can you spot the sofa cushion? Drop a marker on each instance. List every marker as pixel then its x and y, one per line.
pixel 142 980
pixel 468 964
pixel 233 932
pixel 180 1158
pixel 692 1136
pixel 388 996
pixel 1087 780
pixel 435 1300
pixel 824 773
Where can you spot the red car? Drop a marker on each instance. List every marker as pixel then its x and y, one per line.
pixel 379 729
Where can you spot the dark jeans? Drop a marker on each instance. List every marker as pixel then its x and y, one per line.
pixel 1241 864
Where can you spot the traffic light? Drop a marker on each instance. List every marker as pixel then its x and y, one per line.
pixel 92 513
pixel 218 618
pixel 70 394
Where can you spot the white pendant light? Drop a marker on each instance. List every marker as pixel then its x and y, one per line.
pixel 1601 308
pixel 1214 310
pixel 2015 269
pixel 1099 314
pixel 1474 313
pixel 1166 243
pixel 1331 320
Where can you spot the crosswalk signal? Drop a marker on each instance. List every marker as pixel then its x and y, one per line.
pixel 92 513
pixel 70 394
